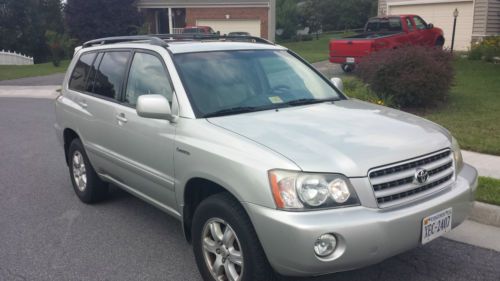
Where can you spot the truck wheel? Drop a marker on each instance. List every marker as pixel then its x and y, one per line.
pixel 347 68
pixel 439 43
pixel 87 185
pixel 225 244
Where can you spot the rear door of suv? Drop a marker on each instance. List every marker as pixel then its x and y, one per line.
pixel 96 90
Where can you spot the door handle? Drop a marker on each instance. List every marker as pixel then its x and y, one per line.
pixel 121 118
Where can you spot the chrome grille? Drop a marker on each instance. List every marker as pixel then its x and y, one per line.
pixel 395 184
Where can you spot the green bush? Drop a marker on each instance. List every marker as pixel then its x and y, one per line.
pixel 410 76
pixel 487 49
pixel 356 88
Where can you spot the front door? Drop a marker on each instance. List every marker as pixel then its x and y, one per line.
pixel 146 145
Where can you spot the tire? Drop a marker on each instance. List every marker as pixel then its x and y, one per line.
pixel 348 68
pixel 439 43
pixel 224 210
pixel 87 185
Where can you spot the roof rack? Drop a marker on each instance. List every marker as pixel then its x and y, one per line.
pixel 162 39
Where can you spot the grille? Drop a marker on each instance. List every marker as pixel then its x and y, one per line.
pixel 395 184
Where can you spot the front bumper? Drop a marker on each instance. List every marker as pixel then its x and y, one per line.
pixel 365 235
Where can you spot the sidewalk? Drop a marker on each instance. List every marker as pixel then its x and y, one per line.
pixel 42 92
pixel 486 165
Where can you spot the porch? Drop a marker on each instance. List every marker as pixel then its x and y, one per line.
pixel 165 20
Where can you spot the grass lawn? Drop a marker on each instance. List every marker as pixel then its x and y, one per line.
pixel 488 191
pixel 473 112
pixel 8 72
pixel 315 50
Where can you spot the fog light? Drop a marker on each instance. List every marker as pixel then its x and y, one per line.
pixel 325 245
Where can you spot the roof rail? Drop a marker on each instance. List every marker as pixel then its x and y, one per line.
pixel 120 39
pixel 162 39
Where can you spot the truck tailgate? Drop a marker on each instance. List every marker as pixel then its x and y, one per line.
pixel 346 48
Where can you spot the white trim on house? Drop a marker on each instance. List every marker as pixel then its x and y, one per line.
pixel 422 2
pixel 180 5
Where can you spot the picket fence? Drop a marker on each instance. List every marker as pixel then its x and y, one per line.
pixel 13 58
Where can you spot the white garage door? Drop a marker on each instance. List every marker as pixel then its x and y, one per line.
pixel 441 15
pixel 226 26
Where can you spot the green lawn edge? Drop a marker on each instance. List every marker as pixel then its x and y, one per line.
pixel 488 191
pixel 11 72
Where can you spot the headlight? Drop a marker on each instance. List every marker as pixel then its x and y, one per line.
pixel 457 155
pixel 300 191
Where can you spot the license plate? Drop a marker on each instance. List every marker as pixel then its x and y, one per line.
pixel 350 60
pixel 436 225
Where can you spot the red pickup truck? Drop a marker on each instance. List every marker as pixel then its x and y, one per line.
pixel 387 32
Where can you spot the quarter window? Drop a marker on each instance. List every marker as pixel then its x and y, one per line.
pixel 110 75
pixel 147 76
pixel 79 76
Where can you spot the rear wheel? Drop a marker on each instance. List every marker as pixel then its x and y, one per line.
pixel 225 244
pixel 87 185
pixel 347 68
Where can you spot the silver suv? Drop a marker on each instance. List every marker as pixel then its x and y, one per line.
pixel 267 164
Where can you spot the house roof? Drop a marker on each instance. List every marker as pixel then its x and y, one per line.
pixel 201 3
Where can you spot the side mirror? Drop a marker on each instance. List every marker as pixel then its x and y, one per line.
pixel 154 107
pixel 337 82
pixel 430 26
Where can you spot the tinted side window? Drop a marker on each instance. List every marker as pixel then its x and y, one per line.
pixel 110 75
pixel 81 71
pixel 147 76
pixel 93 70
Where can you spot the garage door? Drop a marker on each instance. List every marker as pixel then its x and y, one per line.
pixel 226 26
pixel 441 15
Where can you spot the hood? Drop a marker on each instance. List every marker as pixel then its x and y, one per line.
pixel 348 137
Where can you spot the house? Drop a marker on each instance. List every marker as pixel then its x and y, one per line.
pixel 476 18
pixel 170 16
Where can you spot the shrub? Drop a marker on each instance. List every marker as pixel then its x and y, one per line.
pixel 487 49
pixel 356 88
pixel 411 76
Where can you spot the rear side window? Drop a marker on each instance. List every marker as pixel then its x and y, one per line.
pixel 110 74
pixel 80 73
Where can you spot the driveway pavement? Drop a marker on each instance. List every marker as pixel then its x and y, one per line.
pixel 46 233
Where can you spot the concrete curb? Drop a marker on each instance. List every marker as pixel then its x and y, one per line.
pixel 485 214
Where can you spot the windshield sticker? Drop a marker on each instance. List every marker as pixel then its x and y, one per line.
pixel 275 99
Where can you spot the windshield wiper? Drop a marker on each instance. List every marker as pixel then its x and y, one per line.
pixel 233 110
pixel 308 101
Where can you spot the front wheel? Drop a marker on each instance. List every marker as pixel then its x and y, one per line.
pixel 225 244
pixel 347 68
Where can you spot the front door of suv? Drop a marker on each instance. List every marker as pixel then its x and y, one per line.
pixel 146 145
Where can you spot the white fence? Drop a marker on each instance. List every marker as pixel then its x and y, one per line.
pixel 13 58
pixel 177 30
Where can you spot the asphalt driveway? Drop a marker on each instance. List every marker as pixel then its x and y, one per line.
pixel 46 233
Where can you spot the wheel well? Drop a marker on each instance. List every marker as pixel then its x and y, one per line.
pixel 197 189
pixel 69 135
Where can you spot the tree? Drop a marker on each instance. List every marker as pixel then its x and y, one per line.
pixel 23 24
pixel 90 19
pixel 287 17
pixel 341 14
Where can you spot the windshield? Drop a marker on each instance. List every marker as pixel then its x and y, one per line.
pixel 231 82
